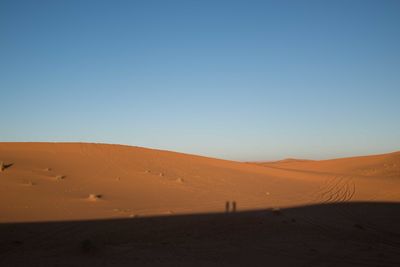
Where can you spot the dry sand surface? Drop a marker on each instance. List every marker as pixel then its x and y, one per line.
pixel 79 204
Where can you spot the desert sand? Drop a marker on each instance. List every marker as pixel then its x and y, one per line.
pixel 80 204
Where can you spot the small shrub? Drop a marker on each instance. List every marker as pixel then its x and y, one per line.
pixel 4 166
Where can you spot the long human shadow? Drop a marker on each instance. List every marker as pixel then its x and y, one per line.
pixel 336 234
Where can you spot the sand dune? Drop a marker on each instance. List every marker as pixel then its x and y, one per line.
pixel 74 181
pixel 64 204
pixel 386 165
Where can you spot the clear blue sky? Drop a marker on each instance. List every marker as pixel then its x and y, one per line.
pixel 243 80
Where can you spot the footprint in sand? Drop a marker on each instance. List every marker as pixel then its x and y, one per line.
pixel 60 177
pixel 30 183
pixel 180 180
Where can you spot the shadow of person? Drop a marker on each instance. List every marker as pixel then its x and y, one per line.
pixel 234 206
pixel 227 206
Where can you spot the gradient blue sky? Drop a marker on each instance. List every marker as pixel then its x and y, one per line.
pixel 243 80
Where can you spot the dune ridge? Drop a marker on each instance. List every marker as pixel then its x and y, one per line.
pixel 76 181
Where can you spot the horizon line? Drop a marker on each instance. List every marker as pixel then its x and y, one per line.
pixel 197 155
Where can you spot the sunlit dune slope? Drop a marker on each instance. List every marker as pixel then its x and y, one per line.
pixel 385 165
pixel 72 181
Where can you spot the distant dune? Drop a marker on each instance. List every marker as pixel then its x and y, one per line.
pixel 74 181
pixel 288 160
pixel 385 165
pixel 76 204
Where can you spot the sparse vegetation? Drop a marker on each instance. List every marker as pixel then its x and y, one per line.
pixel 4 166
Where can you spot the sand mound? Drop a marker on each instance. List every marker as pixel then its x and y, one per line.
pixel 180 180
pixel 94 197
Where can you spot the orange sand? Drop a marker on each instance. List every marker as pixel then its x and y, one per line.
pixel 75 181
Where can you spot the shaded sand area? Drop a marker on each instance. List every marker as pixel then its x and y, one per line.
pixel 77 204
pixel 340 234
